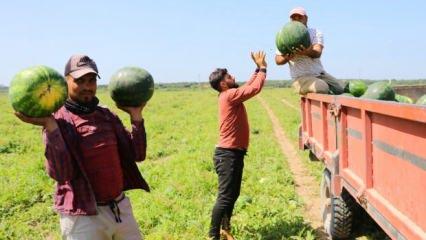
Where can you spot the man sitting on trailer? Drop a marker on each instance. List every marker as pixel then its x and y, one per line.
pixel 306 70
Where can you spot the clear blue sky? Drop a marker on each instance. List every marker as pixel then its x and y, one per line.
pixel 185 40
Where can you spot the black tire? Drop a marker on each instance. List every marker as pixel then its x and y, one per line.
pixel 337 212
pixel 312 156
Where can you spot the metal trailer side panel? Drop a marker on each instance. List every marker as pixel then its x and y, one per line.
pixel 383 159
pixel 382 156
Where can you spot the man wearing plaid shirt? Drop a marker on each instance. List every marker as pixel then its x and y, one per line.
pixel 92 158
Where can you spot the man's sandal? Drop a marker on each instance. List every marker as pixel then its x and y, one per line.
pixel 226 235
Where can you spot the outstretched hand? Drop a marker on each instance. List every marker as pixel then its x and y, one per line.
pixel 134 112
pixel 259 59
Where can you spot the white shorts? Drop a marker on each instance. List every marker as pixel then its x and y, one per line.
pixel 103 225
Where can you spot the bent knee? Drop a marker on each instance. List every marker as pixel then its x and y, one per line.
pixel 319 86
pixel 314 86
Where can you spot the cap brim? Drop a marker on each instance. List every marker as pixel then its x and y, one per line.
pixel 301 14
pixel 80 73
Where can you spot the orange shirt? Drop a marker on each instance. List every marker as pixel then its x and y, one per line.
pixel 233 122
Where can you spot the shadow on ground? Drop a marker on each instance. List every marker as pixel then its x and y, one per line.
pixel 366 227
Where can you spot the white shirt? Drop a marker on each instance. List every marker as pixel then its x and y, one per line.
pixel 303 65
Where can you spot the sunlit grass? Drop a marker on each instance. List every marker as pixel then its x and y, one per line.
pixel 182 131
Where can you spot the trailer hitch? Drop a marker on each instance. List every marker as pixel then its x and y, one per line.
pixel 335 109
pixel 362 199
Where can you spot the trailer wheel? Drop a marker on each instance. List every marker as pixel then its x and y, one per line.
pixel 336 212
pixel 312 156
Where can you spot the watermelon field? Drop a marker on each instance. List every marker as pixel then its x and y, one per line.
pixel 182 129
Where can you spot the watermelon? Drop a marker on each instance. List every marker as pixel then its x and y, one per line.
pixel 380 91
pixel 37 91
pixel 403 99
pixel 291 36
pixel 421 100
pixel 356 88
pixel 131 86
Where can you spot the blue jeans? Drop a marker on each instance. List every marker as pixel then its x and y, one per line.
pixel 229 164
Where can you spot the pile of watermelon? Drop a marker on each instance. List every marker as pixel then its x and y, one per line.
pixel 381 90
pixel 422 100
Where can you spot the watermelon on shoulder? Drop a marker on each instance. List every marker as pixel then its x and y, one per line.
pixel 292 36
pixel 381 90
pixel 131 86
pixel 37 91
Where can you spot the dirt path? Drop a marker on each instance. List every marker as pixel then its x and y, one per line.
pixel 306 186
pixel 289 104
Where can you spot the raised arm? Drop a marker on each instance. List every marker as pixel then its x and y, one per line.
pixel 137 135
pixel 281 59
pixel 255 84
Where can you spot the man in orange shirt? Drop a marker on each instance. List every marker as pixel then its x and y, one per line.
pixel 234 140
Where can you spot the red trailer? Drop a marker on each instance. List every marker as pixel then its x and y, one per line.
pixel 375 158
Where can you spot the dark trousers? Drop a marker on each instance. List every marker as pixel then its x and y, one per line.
pixel 229 164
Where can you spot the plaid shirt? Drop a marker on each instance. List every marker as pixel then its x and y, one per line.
pixel 74 194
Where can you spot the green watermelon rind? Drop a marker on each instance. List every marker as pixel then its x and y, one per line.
pixel 291 36
pixel 403 99
pixel 131 86
pixel 421 100
pixel 26 81
pixel 280 45
pixel 381 90
pixel 357 87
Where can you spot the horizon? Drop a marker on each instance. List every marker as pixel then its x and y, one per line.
pixel 184 42
pixel 268 80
